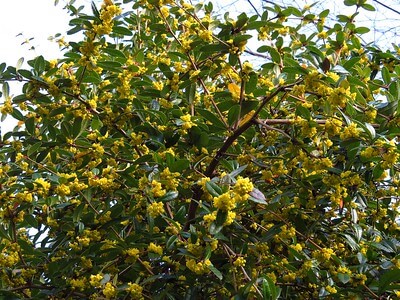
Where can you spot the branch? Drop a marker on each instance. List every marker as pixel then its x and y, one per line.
pixel 255 9
pixel 197 189
pixel 386 6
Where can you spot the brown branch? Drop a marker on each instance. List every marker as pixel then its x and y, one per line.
pixel 197 189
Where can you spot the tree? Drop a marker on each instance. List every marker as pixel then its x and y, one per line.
pixel 153 160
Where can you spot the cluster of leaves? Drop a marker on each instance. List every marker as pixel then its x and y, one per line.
pixel 154 161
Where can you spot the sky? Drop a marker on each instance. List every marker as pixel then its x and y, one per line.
pixel 22 20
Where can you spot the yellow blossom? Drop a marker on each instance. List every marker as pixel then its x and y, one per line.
pixel 155 249
pixel 155 209
pixel 224 202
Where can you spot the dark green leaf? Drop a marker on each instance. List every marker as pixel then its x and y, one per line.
pixel 213 189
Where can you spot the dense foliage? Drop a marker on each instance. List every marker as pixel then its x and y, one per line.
pixel 160 158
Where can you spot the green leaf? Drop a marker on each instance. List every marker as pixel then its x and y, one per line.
pixel 233 114
pixel 169 196
pixel 58 111
pixel 30 125
pixel 350 2
pixel 39 64
pixel 251 84
pixel 344 278
pixel 324 13
pixel 77 127
pixel 17 114
pixel 213 188
pixel 122 31
pixel 165 69
pixel 303 112
pixel 219 48
pixel 216 272
pixel 34 148
pixel 171 242
pixel 275 56
pixel 96 124
pixel 340 37
pixel 180 165
pixel 78 213
pixel 385 75
pixel 368 7
pixel 3 233
pixel 19 64
pixel 386 279
pixel 31 220
pixel 269 290
pixel 190 92
pixel 212 118
pixel 362 30
pixel 6 90
pixel 109 65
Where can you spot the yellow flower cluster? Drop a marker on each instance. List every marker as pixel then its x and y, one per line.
pixel 135 291
pixel 170 179
pixel 155 209
pixel 240 262
pixel 199 268
pixel 323 254
pixel 391 156
pixel 133 254
pixel 187 121
pixel 103 183
pixel 109 290
pixel 108 11
pixel 339 96
pixel 42 186
pixel 6 108
pixel 369 152
pixel 24 196
pixel 157 189
pixel 95 280
pixel 350 131
pixel 155 249
pixel 242 188
pixel 333 126
pixel 224 202
pixel 307 128
pixel 78 283
pixel 9 254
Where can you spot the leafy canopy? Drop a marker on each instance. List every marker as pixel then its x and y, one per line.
pixel 161 158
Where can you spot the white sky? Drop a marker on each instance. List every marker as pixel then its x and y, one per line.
pixel 37 19
pixel 33 18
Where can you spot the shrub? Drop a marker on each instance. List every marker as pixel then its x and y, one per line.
pixel 161 158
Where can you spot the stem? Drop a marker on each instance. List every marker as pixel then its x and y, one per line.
pixel 197 190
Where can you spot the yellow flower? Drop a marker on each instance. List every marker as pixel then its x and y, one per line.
pixel 333 126
pixel 240 262
pixel 243 187
pixel 199 268
pixel 339 96
pixel 157 190
pixel 78 284
pixel 135 291
pixel 155 209
pixel 155 249
pixel 133 254
pixel 109 290
pixel 224 202
pixel 187 122
pixel 95 280
pixel 350 131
